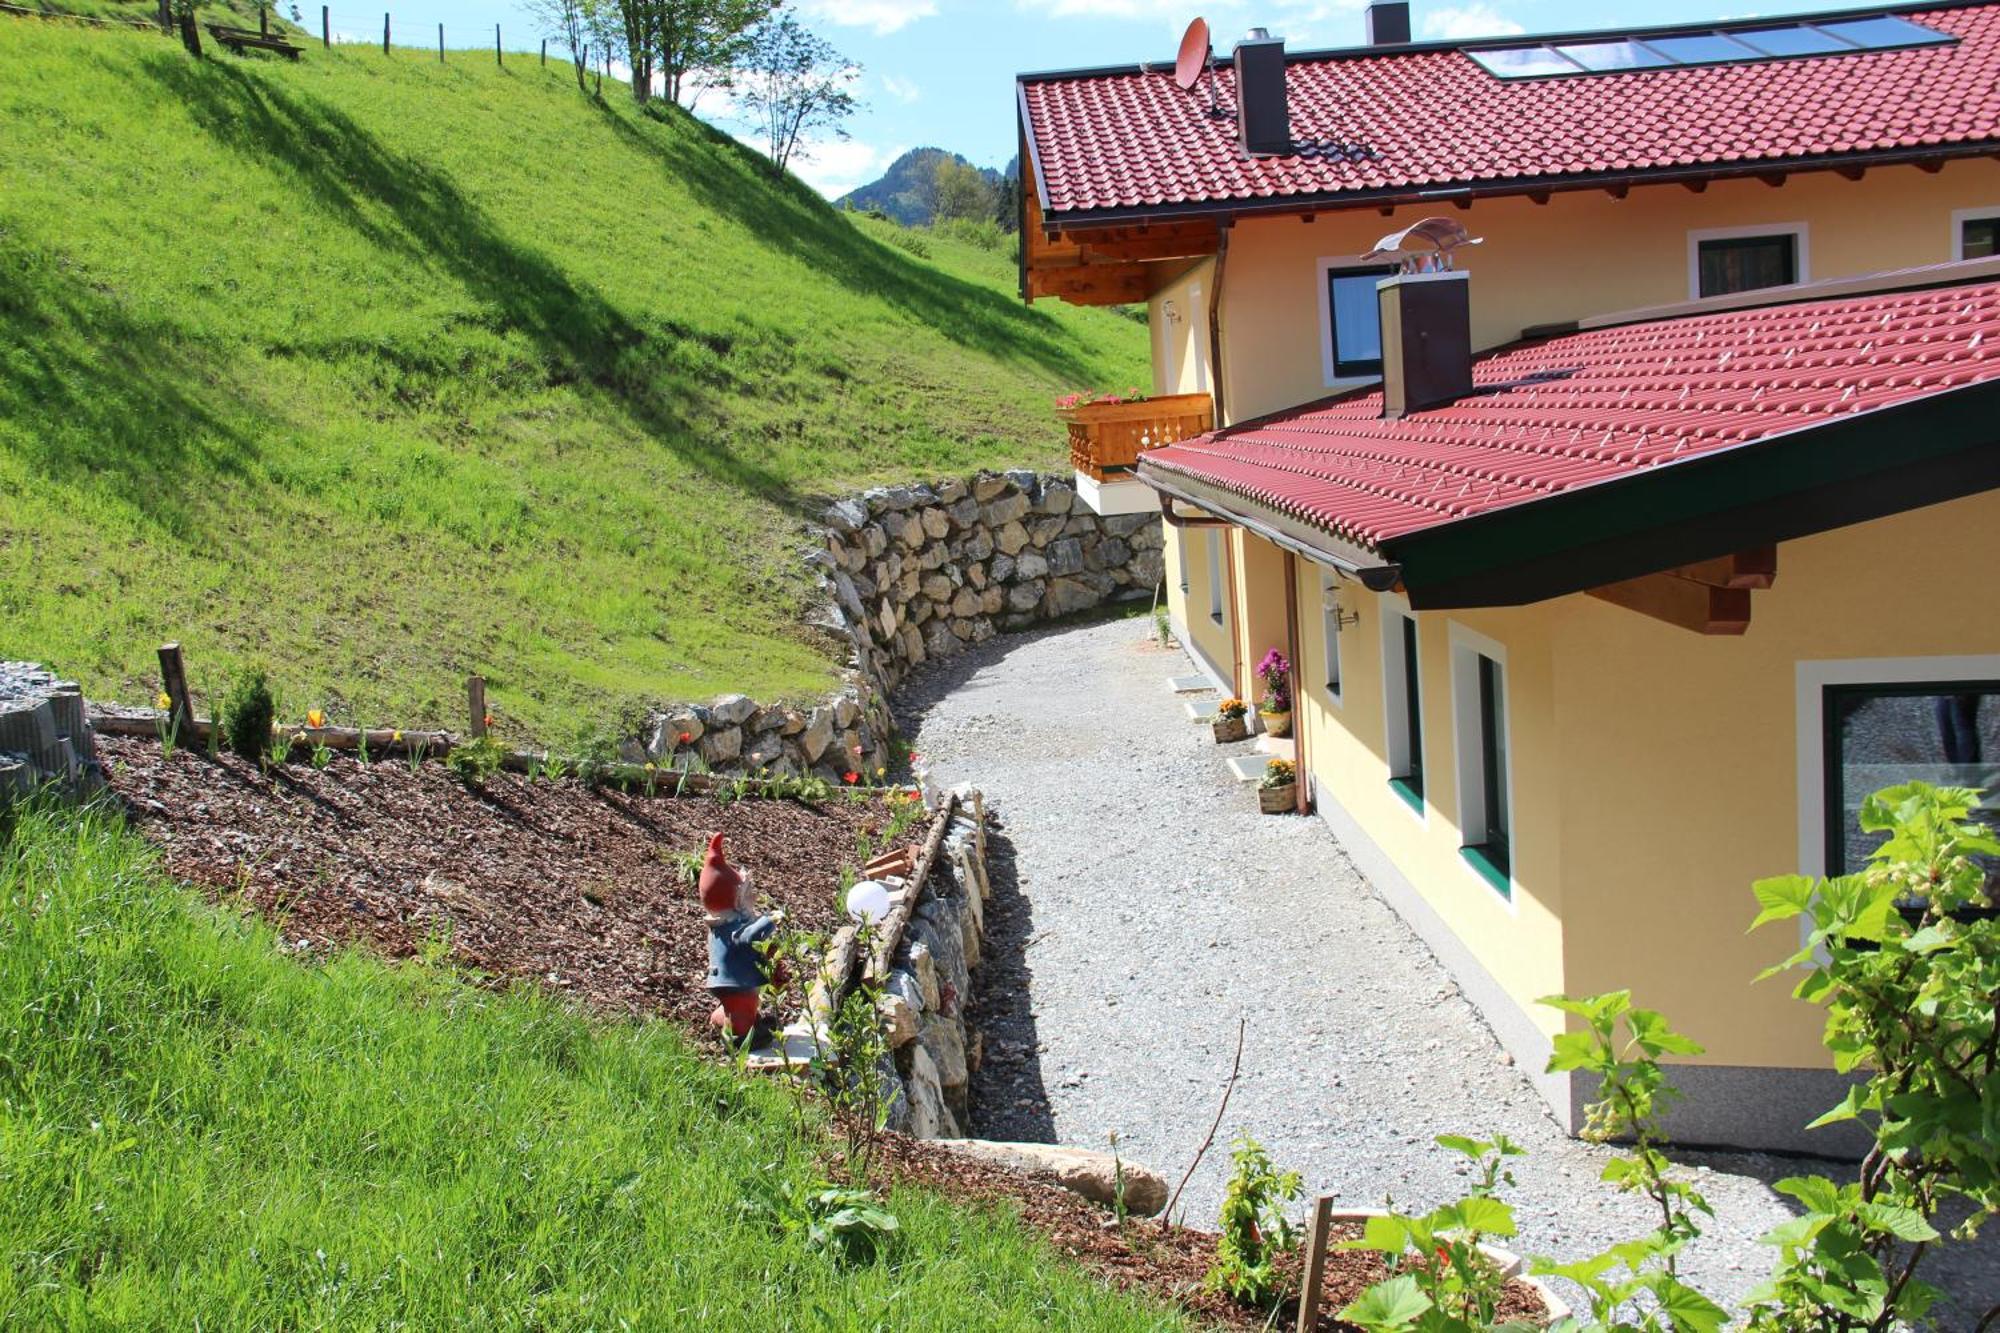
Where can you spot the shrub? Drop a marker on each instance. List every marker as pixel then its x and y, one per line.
pixel 248 714
pixel 1255 1231
pixel 477 760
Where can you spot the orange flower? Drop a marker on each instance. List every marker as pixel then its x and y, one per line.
pixel 489 719
pixel 315 718
pixel 850 777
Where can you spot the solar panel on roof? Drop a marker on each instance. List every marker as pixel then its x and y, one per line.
pixel 1772 41
pixel 1600 56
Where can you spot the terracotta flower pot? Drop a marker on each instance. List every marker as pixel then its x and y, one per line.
pixel 1278 800
pixel 1278 724
pixel 1229 729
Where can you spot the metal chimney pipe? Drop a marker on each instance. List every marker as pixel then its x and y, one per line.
pixel 1263 117
pixel 1388 23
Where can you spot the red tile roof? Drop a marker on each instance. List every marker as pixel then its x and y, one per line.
pixel 1553 416
pixel 1431 117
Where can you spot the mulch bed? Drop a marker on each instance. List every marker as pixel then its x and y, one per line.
pixel 1169 1261
pixel 557 881
pixel 576 888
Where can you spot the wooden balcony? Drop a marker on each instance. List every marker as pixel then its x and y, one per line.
pixel 1106 439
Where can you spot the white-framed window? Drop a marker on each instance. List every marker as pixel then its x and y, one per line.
pixel 1483 748
pixel 1869 723
pixel 1330 612
pixel 1215 543
pixel 1350 319
pixel 1975 233
pixel 1722 260
pixel 1403 701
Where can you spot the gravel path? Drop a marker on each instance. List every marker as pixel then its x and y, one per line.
pixel 1143 906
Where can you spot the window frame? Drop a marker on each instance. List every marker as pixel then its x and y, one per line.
pixel 1484 758
pixel 1403 703
pixel 1959 218
pixel 1336 373
pixel 1216 601
pixel 1833 813
pixel 1329 621
pixel 1796 231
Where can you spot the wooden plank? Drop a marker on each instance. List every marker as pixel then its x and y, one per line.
pixel 1314 1282
pixel 1092 284
pixel 1756 568
pixel 1682 603
pixel 898 919
pixel 173 684
pixel 475 703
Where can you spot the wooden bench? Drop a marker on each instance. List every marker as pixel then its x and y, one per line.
pixel 237 39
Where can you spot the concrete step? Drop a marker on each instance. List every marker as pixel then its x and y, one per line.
pixel 1195 684
pixel 1249 767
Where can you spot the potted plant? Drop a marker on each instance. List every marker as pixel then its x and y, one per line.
pixel 1229 721
pixel 1276 705
pixel 1277 792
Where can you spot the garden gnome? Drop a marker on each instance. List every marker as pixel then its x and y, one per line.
pixel 737 970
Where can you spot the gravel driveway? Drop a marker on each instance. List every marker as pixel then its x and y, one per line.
pixel 1142 907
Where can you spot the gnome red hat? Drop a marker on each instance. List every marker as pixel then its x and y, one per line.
pixel 719 880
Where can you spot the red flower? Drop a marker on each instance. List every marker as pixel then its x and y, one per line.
pixel 687 738
pixel 850 777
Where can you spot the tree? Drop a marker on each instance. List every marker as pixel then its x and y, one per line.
pixel 794 83
pixel 701 42
pixel 568 22
pixel 959 190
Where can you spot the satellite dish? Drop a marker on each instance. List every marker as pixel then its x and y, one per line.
pixel 1193 58
pixel 1443 235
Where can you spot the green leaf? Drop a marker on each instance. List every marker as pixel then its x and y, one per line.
pixel 1690 1311
pixel 1391 1305
pixel 1817 1193
pixel 1902 1223
pixel 1487 1216
pixel 1783 897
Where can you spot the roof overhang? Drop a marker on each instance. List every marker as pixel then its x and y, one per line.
pixel 1864 466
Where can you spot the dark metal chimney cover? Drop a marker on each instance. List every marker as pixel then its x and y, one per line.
pixel 1263 119
pixel 1388 24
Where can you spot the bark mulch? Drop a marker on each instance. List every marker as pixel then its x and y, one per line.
pixel 580 889
pixel 575 887
pixel 1143 1255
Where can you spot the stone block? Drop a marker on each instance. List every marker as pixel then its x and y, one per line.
pixel 978 545
pixel 944 1042
pixel 1068 596
pixel 923 969
pixel 987 486
pixel 951 490
pixel 722 746
pixel 1065 556
pixel 1111 551
pixel 899 1020
pixel 1011 538
pixel 937 525
pixel 962 628
pixel 939 641
pixel 1045 530
pixel 992 601
pixel 817 735
pixel 765 750
pixel 966 603
pixel 1030 565
pixel 964 513
pixel 937 587
pixel 1002 568
pixel 876 540
pixel 1057 497
pixel 1027 596
pixel 846 515
pixel 1004 510
pixel 731 710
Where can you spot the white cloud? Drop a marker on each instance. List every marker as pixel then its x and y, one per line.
pixel 1478 19
pixel 833 166
pixel 903 90
pixel 883 16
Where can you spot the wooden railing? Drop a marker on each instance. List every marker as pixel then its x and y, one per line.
pixel 1109 437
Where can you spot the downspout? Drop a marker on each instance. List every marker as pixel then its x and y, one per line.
pixel 1215 324
pixel 1303 791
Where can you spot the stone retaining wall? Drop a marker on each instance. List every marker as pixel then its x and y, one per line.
pixel 44 736
pixel 920 572
pixel 913 573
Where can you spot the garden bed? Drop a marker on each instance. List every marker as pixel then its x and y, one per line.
pixel 1169 1261
pixel 579 888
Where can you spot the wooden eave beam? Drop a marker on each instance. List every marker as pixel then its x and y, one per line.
pixel 1092 284
pixel 1852 173
pixel 1699 185
pixel 1774 179
pixel 1681 602
pixel 1756 568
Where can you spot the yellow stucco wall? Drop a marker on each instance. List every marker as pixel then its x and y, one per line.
pixel 1583 253
pixel 1188 564
pixel 1519 941
pixel 1654 770
pixel 1178 318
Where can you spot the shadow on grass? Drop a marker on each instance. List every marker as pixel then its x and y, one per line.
pixel 90 394
pixel 414 213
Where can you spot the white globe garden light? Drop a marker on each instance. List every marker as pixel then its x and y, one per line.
pixel 868 901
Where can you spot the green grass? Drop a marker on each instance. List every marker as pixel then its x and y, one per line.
pixel 381 373
pixel 198 1131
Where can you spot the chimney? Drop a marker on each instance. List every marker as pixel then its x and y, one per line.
pixel 1388 24
pixel 1426 340
pixel 1263 119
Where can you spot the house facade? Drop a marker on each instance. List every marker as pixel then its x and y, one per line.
pixel 1638 611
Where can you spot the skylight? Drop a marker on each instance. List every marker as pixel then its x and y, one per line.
pixel 1772 41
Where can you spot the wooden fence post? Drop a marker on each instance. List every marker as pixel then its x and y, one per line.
pixel 166 17
pixel 263 21
pixel 475 700
pixel 174 684
pixel 545 51
pixel 326 27
pixel 1315 1274
pixel 498 63
pixel 385 34
pixel 440 43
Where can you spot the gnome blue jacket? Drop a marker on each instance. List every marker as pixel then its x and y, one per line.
pixel 733 960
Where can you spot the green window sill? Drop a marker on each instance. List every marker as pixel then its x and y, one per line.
pixel 1493 872
pixel 1412 793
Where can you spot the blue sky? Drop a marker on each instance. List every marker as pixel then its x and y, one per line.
pixel 940 72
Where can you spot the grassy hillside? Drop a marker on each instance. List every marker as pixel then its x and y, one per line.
pixel 199 1132
pixel 382 372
